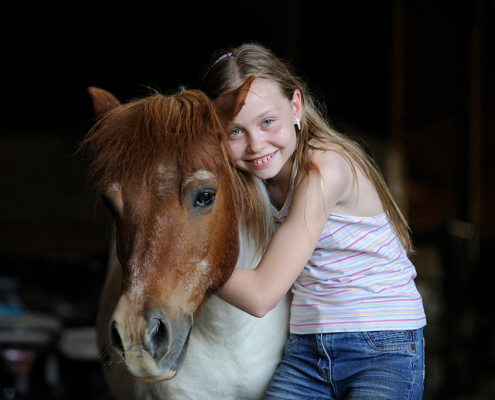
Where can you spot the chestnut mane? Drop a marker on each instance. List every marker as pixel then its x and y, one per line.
pixel 129 142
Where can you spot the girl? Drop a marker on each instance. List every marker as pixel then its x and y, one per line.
pixel 341 243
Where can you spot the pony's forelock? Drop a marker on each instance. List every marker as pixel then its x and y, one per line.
pixel 130 142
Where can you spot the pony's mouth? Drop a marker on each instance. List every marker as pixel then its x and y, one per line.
pixel 167 375
pixel 172 366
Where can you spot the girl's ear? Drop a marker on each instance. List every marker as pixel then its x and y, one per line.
pixel 230 103
pixel 297 104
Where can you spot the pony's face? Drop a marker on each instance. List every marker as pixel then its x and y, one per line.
pixel 166 182
pixel 177 242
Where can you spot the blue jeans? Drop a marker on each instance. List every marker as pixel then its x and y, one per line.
pixel 362 365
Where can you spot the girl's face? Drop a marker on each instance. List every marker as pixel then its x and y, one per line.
pixel 263 136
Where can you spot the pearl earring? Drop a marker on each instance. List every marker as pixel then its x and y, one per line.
pixel 298 123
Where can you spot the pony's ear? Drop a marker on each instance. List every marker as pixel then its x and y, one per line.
pixel 103 101
pixel 230 103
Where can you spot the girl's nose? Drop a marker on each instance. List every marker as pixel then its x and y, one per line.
pixel 256 142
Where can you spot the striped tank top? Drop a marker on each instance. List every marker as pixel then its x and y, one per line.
pixel 358 279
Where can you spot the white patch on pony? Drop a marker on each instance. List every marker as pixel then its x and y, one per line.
pixel 115 189
pixel 199 175
pixel 161 169
pixel 139 279
pixel 203 269
pixel 198 274
pixel 138 284
pixel 166 181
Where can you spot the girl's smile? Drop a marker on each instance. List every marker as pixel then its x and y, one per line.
pixel 262 161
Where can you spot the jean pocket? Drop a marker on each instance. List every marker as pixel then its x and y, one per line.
pixel 291 341
pixel 390 340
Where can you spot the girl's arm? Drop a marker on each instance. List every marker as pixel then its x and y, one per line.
pixel 258 291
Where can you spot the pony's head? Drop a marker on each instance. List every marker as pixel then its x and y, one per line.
pixel 166 177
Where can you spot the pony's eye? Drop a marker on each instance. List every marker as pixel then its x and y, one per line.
pixel 204 199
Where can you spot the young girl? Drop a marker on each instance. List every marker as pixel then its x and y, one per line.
pixel 341 244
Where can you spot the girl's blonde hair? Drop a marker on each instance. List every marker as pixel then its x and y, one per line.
pixel 231 67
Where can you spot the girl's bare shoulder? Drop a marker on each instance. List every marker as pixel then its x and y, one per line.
pixel 332 165
pixel 355 193
pixel 331 180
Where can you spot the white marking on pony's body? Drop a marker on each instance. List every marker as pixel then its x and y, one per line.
pixel 161 169
pixel 198 273
pixel 137 287
pixel 203 266
pixel 138 278
pixel 116 188
pixel 166 180
pixel 199 175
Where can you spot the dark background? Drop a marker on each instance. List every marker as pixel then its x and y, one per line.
pixel 413 80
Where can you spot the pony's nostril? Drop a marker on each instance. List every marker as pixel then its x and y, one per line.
pixel 115 338
pixel 159 336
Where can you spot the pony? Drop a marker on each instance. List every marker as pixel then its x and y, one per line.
pixel 183 221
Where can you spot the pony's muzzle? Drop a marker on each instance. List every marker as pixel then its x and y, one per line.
pixel 152 334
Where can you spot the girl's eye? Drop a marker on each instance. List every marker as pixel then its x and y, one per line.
pixel 234 132
pixel 267 122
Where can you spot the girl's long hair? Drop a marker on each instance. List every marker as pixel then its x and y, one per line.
pixel 229 68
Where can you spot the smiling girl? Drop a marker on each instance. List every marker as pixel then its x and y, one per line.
pixel 341 243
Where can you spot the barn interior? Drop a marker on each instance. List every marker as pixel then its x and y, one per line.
pixel 411 80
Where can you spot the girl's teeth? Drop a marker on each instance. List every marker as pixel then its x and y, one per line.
pixel 261 161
